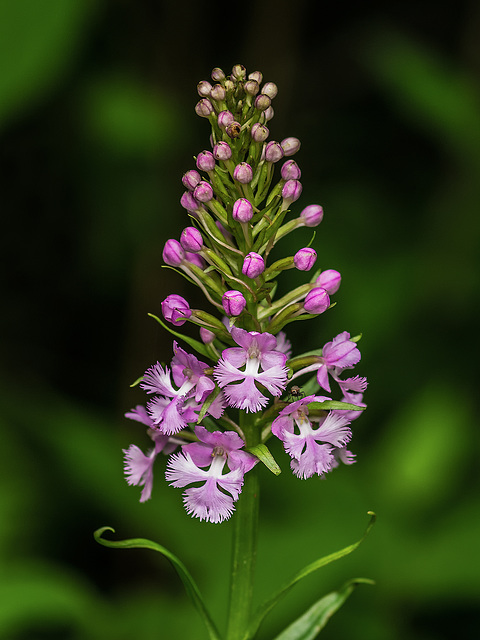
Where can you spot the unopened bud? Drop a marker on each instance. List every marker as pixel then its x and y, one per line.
pixel 191 239
pixel 291 190
pixel 218 75
pixel 204 108
pixel 203 192
pixel 305 258
pixel 273 152
pixel 225 118
pixel 262 102
pixel 259 132
pixel 329 280
pixel 205 161
pixel 188 201
pixel 270 89
pixel 290 146
pixel 251 87
pixel 268 113
pixel 191 179
pixel 217 93
pixel 176 309
pixel 290 170
pixel 173 253
pixel 243 173
pixel 233 303
pixel 253 265
pixel 206 335
pixel 239 72
pixel 312 215
pixel 256 75
pixel 316 301
pixel 242 210
pixel 204 88
pixel 222 151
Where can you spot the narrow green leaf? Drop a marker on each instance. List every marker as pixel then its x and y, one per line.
pixel 334 404
pixel 188 582
pixel 269 604
pixel 262 452
pixel 195 344
pixel 309 625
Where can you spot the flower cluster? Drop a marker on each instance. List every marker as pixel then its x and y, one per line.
pixel 238 213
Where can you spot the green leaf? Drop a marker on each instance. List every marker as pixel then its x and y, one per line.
pixel 195 344
pixel 309 625
pixel 188 582
pixel 269 604
pixel 334 404
pixel 262 452
pixel 137 381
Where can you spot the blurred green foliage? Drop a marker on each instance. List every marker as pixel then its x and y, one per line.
pixel 97 122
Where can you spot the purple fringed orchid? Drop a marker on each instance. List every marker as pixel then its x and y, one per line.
pixel 172 409
pixel 204 462
pixel 239 368
pixel 312 449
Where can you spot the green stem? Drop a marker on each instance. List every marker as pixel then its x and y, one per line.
pixel 244 548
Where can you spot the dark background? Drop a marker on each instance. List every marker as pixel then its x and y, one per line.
pixel 97 126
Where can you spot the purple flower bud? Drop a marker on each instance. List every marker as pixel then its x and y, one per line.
pixel 312 215
pixel 256 75
pixel 233 303
pixel 203 191
pixel 242 210
pixel 204 108
pixel 262 102
pixel 222 151
pixel 273 152
pixel 205 161
pixel 253 265
pixel 191 239
pixel 270 89
pixel 259 132
pixel 329 280
pixel 234 129
pixel 195 259
pixel 291 170
pixel 176 309
pixel 191 179
pixel 217 92
pixel 224 119
pixel 173 253
pixel 188 202
pixel 317 301
pixel 204 88
pixel 268 113
pixel 290 146
pixel 239 72
pixel 218 75
pixel 243 173
pixel 206 335
pixel 305 258
pixel 292 190
pixel 251 87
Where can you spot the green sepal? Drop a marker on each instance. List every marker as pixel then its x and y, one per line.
pixel 195 344
pixel 269 604
pixel 188 582
pixel 262 452
pixel 357 338
pixel 137 381
pixel 328 405
pixel 309 625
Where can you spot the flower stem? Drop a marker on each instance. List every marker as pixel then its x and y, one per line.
pixel 244 548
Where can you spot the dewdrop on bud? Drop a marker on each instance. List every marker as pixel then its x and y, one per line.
pixel 305 258
pixel 316 301
pixel 253 265
pixel 242 210
pixel 329 280
pixel 191 239
pixel 312 215
pixel 290 146
pixel 233 303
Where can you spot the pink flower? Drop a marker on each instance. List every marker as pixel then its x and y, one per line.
pixel 204 462
pixel 312 449
pixel 239 369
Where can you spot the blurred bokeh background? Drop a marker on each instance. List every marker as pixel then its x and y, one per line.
pixel 97 126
